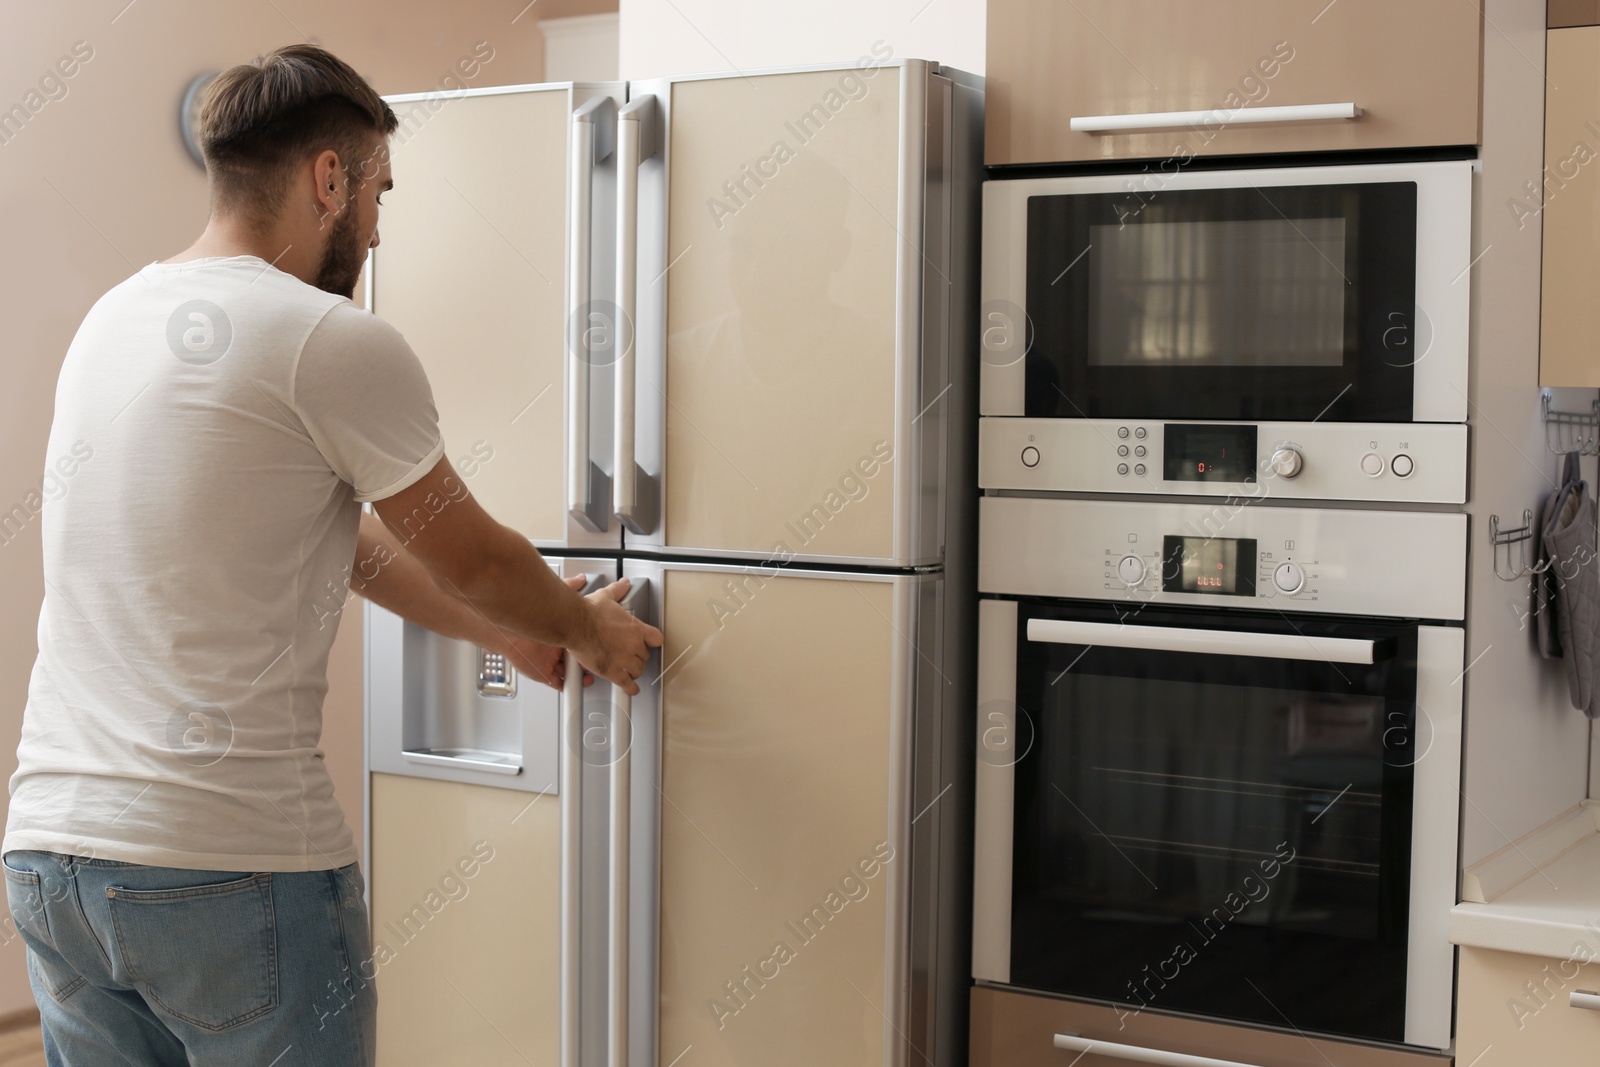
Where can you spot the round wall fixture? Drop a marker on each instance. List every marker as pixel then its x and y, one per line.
pixel 189 116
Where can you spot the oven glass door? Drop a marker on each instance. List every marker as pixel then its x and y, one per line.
pixel 1258 303
pixel 1222 832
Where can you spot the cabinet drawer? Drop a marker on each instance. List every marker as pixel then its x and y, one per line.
pixel 1513 1010
pixel 1412 67
pixel 1018 1030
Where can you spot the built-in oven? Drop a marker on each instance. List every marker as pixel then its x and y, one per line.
pixel 1218 761
pixel 1311 321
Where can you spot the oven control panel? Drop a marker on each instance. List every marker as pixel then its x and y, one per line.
pixel 1226 554
pixel 1411 462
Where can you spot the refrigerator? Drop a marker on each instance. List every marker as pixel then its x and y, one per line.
pixel 716 334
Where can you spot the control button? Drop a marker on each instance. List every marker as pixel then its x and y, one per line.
pixel 1131 570
pixel 1138 468
pixel 1030 457
pixel 1289 577
pixel 1372 464
pixel 1402 465
pixel 1122 468
pixel 1138 450
pixel 1287 462
pixel 1122 450
pixel 1122 431
pixel 1139 433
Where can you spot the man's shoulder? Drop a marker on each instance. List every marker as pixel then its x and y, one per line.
pixel 345 325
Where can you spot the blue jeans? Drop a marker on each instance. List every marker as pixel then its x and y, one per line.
pixel 159 967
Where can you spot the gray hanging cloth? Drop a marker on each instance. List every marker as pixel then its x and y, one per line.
pixel 1544 590
pixel 1569 540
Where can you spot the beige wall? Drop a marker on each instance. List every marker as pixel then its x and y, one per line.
pixel 97 183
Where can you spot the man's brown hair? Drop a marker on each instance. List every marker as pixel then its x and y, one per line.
pixel 261 120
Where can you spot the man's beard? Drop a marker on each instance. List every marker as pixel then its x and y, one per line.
pixel 342 257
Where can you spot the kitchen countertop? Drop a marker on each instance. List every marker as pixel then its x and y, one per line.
pixel 1539 896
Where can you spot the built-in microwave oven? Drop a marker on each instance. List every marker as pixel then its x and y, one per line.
pixel 1187 332
pixel 1218 760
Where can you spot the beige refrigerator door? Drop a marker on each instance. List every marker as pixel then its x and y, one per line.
pixel 465 923
pixel 782 797
pixel 788 290
pixel 473 268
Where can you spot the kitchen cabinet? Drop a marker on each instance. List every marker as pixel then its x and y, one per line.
pixel 1514 1009
pixel 1016 1030
pixel 1411 68
pixel 1570 212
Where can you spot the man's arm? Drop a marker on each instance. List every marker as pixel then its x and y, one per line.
pixel 495 575
pixel 391 577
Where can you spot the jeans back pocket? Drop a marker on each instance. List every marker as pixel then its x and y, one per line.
pixel 206 955
pixel 25 898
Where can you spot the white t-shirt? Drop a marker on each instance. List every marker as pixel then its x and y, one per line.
pixel 217 424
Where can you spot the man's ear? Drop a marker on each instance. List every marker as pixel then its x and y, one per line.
pixel 329 179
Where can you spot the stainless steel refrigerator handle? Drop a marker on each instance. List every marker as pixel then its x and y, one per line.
pixel 1582 998
pixel 593 131
pixel 1214 642
pixel 571 780
pixel 1116 1051
pixel 460 763
pixel 1161 120
pixel 621 842
pixel 634 494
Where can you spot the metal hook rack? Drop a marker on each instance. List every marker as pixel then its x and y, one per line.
pixel 1516 559
pixel 1571 431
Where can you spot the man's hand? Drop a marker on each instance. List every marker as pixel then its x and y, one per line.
pixel 498 585
pixel 617 644
pixel 539 661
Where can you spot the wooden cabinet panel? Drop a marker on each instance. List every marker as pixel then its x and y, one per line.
pixel 1569 322
pixel 1018 1030
pixel 1412 67
pixel 1512 1011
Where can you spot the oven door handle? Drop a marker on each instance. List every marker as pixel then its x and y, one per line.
pixel 1210 642
pixel 1113 1050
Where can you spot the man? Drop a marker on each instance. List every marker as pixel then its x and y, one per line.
pixel 174 857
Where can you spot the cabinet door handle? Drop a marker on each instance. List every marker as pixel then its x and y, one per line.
pixel 1113 1050
pixel 1160 120
pixel 621 845
pixel 1582 998
pixel 593 132
pixel 571 944
pixel 634 495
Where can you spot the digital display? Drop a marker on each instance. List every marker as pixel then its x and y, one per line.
pixel 1205 453
pixel 1218 565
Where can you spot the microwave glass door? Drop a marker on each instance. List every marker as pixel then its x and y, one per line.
pixel 1227 835
pixel 1282 303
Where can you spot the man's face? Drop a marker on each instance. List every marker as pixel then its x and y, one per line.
pixel 354 230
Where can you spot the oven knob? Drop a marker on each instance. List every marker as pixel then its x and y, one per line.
pixel 1030 457
pixel 1372 464
pixel 1131 570
pixel 1287 462
pixel 1289 577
